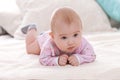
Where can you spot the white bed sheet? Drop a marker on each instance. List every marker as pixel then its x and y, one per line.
pixel 16 64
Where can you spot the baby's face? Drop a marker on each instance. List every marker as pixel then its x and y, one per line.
pixel 67 37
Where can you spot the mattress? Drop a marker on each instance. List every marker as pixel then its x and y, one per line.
pixel 15 63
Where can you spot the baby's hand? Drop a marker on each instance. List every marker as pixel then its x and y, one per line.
pixel 62 61
pixel 73 60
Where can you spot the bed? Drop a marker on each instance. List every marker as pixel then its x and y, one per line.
pixel 15 63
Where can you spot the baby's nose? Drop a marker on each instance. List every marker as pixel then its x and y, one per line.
pixel 71 42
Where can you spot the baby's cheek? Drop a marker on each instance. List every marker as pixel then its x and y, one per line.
pixel 78 40
pixel 61 46
pixel 78 43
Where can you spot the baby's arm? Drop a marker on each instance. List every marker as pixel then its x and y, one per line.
pixel 47 57
pixel 48 60
pixel 87 55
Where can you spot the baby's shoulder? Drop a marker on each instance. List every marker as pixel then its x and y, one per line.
pixel 84 40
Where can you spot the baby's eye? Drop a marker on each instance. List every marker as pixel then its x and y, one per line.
pixel 75 35
pixel 63 37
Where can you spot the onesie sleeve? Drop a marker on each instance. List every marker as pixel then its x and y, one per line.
pixel 87 53
pixel 47 56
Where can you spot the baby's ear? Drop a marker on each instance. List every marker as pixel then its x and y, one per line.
pixel 51 34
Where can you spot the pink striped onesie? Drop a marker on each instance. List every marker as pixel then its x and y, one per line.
pixel 50 53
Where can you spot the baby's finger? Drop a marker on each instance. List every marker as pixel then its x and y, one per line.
pixel 62 59
pixel 70 61
pixel 70 58
pixel 66 56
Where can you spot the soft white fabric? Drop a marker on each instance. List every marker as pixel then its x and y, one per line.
pixel 40 11
pixel 15 64
pixel 10 15
pixel 10 21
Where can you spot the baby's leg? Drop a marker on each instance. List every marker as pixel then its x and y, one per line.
pixel 32 45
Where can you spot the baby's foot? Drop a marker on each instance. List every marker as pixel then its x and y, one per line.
pixel 28 27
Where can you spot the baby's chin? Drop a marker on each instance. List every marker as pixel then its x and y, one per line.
pixel 69 51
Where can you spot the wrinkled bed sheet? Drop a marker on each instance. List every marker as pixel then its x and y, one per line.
pixel 16 64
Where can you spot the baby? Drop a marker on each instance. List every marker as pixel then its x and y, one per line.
pixel 64 44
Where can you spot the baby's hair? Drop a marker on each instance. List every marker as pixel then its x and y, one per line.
pixel 66 15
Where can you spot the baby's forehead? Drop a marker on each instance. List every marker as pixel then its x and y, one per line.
pixel 65 16
pixel 62 25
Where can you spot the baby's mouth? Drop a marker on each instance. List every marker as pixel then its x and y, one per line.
pixel 71 48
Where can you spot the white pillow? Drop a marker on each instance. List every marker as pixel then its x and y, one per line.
pixel 10 22
pixel 10 16
pixel 40 11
